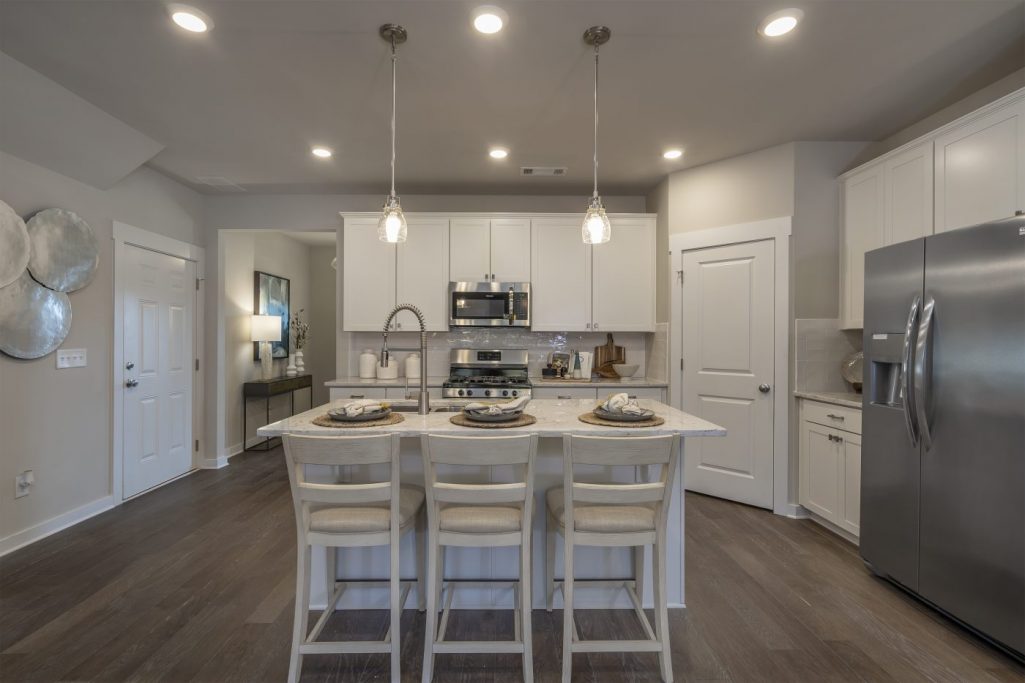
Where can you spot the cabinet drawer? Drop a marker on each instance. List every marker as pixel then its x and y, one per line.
pixel 348 393
pixel 653 393
pixel 565 392
pixel 837 417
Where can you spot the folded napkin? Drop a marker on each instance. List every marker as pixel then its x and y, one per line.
pixel 514 406
pixel 366 405
pixel 622 403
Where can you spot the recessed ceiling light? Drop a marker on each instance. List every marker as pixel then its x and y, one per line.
pixel 672 153
pixel 190 18
pixel 489 19
pixel 322 152
pixel 780 23
pixel 498 153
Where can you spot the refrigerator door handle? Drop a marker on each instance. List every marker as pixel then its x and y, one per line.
pixel 923 350
pixel 907 355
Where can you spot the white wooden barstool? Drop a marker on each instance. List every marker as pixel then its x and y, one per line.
pixel 478 515
pixel 610 514
pixel 345 515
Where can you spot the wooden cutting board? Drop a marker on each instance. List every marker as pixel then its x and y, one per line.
pixel 607 355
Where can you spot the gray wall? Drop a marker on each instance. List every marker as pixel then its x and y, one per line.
pixel 58 422
pixel 320 356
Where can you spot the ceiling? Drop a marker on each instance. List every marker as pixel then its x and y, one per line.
pixel 245 101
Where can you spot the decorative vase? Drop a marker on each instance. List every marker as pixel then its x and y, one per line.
pixel 300 365
pixel 291 370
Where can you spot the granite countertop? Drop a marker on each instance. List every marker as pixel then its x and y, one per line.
pixel 554 418
pixel 838 398
pixel 437 381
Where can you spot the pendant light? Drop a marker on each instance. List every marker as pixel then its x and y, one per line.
pixel 392 226
pixel 596 228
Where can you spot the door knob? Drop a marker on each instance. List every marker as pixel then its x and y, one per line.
pixel 129 365
pixel 132 383
pixel 764 388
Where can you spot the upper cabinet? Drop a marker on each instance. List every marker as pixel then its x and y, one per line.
pixel 968 172
pixel 422 274
pixel 483 249
pixel 560 293
pixel 368 286
pixel 979 169
pixel 623 276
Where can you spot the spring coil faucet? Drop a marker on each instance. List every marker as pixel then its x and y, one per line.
pixel 423 404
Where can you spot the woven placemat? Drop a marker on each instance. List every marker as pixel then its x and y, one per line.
pixel 592 419
pixel 522 421
pixel 391 419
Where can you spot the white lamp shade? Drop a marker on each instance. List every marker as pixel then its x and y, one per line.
pixel 266 328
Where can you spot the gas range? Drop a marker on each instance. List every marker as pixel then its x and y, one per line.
pixel 487 373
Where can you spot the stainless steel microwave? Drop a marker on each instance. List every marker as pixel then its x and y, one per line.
pixel 489 304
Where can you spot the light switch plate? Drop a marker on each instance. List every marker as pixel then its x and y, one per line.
pixel 71 358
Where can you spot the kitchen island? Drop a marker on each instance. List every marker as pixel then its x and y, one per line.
pixel 555 418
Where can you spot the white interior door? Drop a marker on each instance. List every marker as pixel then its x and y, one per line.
pixel 158 356
pixel 728 348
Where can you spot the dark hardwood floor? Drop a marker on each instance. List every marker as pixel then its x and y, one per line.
pixel 195 582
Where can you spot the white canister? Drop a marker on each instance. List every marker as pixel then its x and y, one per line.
pixel 390 372
pixel 367 364
pixel 413 366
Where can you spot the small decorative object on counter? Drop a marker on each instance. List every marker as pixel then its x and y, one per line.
pixel 290 370
pixel 300 363
pixel 367 364
pixel 299 329
pixel 391 371
pixel 413 365
pixel 607 355
pixel 852 369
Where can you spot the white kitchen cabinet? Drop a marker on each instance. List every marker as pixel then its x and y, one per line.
pixel 829 463
pixel 565 393
pixel 560 296
pixel 908 200
pixel 483 249
pixel 369 276
pixel 623 276
pixel 863 230
pixel 355 393
pixel 422 275
pixel 979 169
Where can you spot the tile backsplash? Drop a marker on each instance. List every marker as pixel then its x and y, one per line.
pixel 820 348
pixel 538 344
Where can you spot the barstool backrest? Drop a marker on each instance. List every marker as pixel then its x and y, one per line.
pixel 335 451
pixel 469 451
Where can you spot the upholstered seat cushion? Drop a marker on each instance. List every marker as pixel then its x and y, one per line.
pixel 354 519
pixel 602 518
pixel 479 519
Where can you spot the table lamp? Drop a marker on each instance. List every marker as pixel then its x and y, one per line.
pixel 266 329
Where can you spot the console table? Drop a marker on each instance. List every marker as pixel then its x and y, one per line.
pixel 265 389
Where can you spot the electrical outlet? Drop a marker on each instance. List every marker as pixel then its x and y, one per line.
pixel 71 358
pixel 23 483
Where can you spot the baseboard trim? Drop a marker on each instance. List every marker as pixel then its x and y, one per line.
pixel 793 511
pixel 215 463
pixel 20 539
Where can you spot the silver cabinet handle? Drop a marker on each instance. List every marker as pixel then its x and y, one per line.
pixel 485 277
pixel 923 349
pixel 587 325
pixel 357 395
pixel 492 276
pixel 565 397
pixel 594 326
pixel 764 388
pixel 835 417
pixel 907 400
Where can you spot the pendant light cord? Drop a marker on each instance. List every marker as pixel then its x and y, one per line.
pixel 394 58
pixel 596 120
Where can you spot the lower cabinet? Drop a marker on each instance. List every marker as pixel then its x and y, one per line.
pixel 829 463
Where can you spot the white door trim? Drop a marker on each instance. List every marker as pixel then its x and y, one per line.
pixel 777 229
pixel 127 234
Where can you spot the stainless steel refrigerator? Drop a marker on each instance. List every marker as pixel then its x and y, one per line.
pixel 943 444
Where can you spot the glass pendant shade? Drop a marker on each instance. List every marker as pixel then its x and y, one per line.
pixel 392 226
pixel 596 228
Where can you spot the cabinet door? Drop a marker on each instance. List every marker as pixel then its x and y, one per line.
pixel 368 276
pixel 423 274
pixel 979 169
pixel 560 291
pixel 623 293
pixel 850 517
pixel 510 249
pixel 863 231
pixel 909 200
pixel 469 249
pixel 563 393
pixel 819 476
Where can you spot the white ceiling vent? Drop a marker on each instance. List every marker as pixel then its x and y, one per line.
pixel 220 183
pixel 547 171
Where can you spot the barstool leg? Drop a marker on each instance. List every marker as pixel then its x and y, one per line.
pixel 567 612
pixel 525 610
pixel 638 553
pixel 330 571
pixel 302 612
pixel 421 560
pixel 396 608
pixel 551 526
pixel 665 661
pixel 431 629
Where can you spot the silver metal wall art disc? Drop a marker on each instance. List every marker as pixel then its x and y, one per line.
pixel 65 252
pixel 14 245
pixel 34 320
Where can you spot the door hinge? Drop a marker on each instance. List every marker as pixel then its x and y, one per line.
pixel 681 364
pixel 679 276
pixel 197 284
pixel 197 365
pixel 197 445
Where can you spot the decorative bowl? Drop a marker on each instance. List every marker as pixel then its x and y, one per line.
pixel 476 416
pixel 338 415
pixel 852 369
pixel 622 417
pixel 625 369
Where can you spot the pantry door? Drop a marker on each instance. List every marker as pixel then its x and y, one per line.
pixel 727 339
pixel 158 367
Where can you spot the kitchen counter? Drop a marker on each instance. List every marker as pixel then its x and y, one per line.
pixel 437 381
pixel 848 399
pixel 432 381
pixel 554 419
